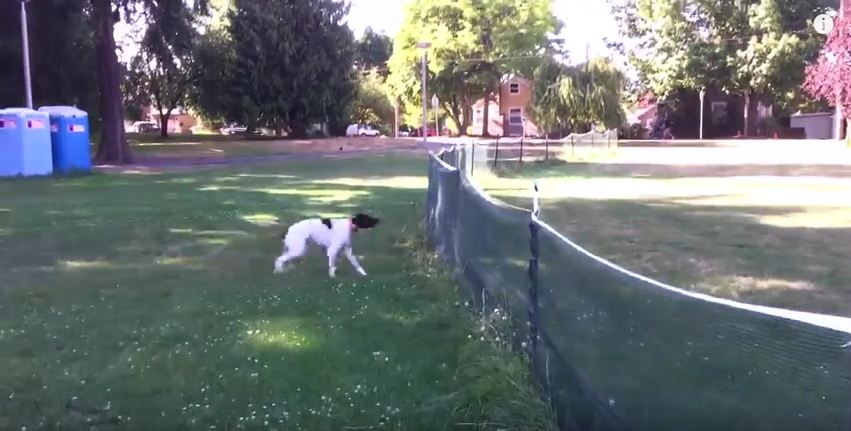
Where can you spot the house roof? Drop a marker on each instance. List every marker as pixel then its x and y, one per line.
pixel 513 77
pixel 481 102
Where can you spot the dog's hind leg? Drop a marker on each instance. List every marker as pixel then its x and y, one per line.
pixel 332 260
pixel 291 250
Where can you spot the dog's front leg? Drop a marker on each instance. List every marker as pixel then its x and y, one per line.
pixel 354 261
pixel 332 260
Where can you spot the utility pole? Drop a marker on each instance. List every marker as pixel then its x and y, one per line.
pixel 396 117
pixel 425 46
pixel 25 38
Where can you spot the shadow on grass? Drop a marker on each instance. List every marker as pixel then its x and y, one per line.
pixel 723 251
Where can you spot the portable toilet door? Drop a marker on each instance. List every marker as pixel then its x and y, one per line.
pixel 69 132
pixel 11 145
pixel 25 143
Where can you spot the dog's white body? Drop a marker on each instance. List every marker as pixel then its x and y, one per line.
pixel 334 239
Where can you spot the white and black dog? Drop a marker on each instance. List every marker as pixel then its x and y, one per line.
pixel 332 234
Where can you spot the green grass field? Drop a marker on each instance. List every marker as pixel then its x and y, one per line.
pixel 147 301
pixel 223 147
pixel 771 235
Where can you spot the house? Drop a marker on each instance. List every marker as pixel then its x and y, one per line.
pixel 508 112
pixel 180 121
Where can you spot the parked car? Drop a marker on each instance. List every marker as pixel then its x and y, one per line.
pixel 234 129
pixel 405 131
pixel 429 132
pixel 361 130
pixel 145 127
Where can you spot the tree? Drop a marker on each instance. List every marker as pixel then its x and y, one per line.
pixel 372 51
pixel 210 74
pixel 507 31
pixel 549 109
pixel 170 16
pixel 570 99
pixel 828 78
pixel 746 47
pixel 282 64
pixel 159 73
pixel 474 44
pixel 372 105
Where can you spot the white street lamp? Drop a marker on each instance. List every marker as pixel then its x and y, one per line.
pixel 424 45
pixel 702 94
pixel 434 104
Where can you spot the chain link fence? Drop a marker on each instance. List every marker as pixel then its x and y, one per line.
pixel 614 350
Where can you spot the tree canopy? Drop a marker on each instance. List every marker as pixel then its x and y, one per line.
pixel 373 50
pixel 573 98
pixel 829 77
pixel 742 47
pixel 474 43
pixel 372 104
pixel 159 73
pixel 281 64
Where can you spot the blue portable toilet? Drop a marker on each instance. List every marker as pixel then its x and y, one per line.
pixel 24 143
pixel 69 133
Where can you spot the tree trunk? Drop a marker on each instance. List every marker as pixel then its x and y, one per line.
pixel 298 130
pixel 164 124
pixel 465 121
pixel 848 132
pixel 747 111
pixel 113 146
pixel 485 116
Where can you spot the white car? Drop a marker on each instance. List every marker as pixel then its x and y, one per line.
pixel 361 130
pixel 233 129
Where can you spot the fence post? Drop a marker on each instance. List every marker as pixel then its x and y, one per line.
pixel 547 147
pixel 521 150
pixel 533 274
pixel 473 157
pixel 572 149
pixel 496 154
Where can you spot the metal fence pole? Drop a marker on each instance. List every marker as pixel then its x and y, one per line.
pixel 547 147
pixel 521 150
pixel 496 154
pixel 533 274
pixel 572 148
pixel 473 157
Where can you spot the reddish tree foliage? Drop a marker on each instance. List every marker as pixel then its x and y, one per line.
pixel 829 78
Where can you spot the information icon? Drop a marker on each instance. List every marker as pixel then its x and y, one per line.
pixel 823 24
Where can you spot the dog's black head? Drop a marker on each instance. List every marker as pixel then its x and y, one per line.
pixel 364 221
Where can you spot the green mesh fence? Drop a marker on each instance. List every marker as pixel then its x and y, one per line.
pixel 617 351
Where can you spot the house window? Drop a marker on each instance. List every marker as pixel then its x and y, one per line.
pixel 515 116
pixel 514 88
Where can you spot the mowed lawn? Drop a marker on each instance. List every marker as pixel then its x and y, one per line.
pixel 777 235
pixel 148 146
pixel 148 302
